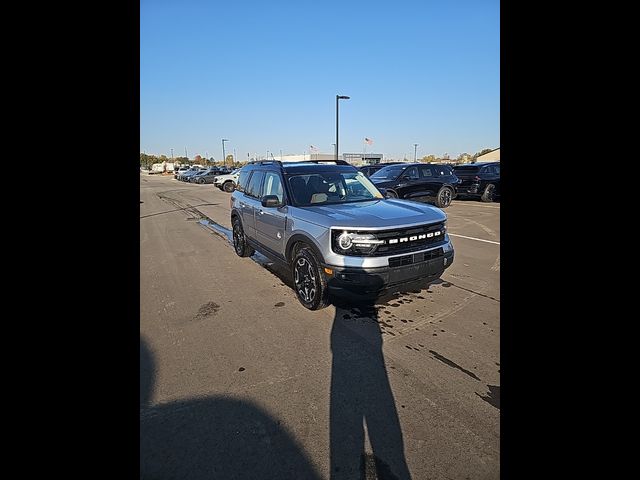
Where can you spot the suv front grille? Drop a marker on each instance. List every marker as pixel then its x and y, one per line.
pixel 402 240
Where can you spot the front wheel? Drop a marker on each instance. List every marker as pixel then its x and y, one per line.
pixel 240 244
pixel 228 186
pixel 488 194
pixel 444 197
pixel 310 282
pixel 391 194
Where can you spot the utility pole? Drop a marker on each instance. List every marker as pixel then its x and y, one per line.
pixel 415 152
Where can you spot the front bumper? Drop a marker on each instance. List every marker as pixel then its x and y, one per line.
pixel 368 283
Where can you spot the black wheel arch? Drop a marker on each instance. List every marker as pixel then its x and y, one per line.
pixel 300 238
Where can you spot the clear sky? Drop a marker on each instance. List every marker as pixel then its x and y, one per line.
pixel 264 74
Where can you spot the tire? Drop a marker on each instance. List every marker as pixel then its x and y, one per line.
pixel 228 186
pixel 309 280
pixel 201 181
pixel 240 244
pixel 391 194
pixel 488 194
pixel 444 197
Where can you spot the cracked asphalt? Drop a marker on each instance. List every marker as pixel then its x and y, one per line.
pixel 238 380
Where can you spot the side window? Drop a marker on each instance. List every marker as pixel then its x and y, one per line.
pixel 242 180
pixel 411 173
pixel 425 171
pixel 273 186
pixel 496 169
pixel 253 189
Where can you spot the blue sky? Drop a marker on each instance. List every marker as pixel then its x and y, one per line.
pixel 264 74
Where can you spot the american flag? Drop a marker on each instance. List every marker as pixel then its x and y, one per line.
pixel 313 149
pixel 368 141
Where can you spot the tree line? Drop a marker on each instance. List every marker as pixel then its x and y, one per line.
pixel 147 161
pixel 462 158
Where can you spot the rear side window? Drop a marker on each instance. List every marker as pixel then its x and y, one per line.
pixel 425 171
pixel 441 170
pixel 253 189
pixel 242 180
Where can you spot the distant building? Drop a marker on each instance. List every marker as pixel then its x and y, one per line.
pixel 304 157
pixel 362 158
pixel 492 156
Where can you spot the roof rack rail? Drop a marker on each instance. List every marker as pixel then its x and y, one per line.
pixel 265 162
pixel 337 162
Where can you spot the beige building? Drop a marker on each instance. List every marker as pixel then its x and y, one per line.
pixel 492 156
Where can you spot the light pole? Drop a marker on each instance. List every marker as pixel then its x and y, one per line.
pixel 334 149
pixel 224 158
pixel 338 97
pixel 415 152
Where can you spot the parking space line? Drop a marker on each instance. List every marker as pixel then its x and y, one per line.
pixel 475 205
pixel 473 238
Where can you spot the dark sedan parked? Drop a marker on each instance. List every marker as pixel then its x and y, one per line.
pixel 418 181
pixel 479 180
pixel 206 176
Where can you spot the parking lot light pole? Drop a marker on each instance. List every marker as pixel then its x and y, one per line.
pixel 224 157
pixel 415 152
pixel 338 98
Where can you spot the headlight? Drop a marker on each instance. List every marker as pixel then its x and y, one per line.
pixel 352 243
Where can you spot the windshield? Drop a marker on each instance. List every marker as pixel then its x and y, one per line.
pixel 389 173
pixel 331 188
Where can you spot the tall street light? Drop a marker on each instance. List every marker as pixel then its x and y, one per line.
pixel 224 157
pixel 338 97
pixel 334 149
pixel 415 152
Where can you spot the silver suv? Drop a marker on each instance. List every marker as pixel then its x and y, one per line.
pixel 336 231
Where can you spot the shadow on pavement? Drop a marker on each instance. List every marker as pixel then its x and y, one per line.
pixel 361 395
pixel 213 437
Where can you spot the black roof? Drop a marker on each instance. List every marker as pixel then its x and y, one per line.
pixel 477 164
pixel 308 166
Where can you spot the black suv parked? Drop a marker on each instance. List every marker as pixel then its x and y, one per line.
pixel 418 181
pixel 369 170
pixel 479 180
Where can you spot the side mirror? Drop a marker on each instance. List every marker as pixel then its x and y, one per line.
pixel 270 201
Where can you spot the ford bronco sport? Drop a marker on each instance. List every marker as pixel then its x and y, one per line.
pixel 335 230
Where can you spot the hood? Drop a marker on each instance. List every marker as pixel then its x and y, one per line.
pixel 372 214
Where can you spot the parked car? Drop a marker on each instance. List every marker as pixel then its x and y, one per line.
pixel 206 176
pixel 369 170
pixel 227 182
pixel 418 181
pixel 336 231
pixel 180 171
pixel 479 180
pixel 191 171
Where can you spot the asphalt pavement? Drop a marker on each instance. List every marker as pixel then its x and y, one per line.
pixel 238 380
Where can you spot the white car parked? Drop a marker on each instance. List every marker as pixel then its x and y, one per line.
pixel 227 182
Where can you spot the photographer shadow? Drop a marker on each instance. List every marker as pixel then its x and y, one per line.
pixel 361 396
pixel 213 437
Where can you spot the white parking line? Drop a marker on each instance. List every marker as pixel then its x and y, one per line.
pixel 475 205
pixel 473 238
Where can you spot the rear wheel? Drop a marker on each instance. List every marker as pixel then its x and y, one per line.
pixel 228 186
pixel 310 282
pixel 201 181
pixel 240 244
pixel 488 194
pixel 444 197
